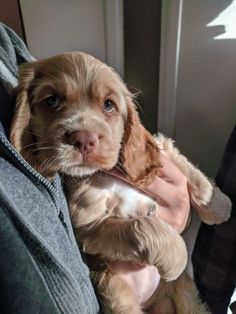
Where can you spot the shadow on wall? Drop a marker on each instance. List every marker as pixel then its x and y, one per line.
pixel 206 94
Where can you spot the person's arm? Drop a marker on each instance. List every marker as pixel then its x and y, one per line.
pixel 171 189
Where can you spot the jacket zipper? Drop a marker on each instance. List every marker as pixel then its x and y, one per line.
pixel 53 191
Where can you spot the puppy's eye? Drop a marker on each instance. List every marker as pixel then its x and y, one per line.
pixel 52 101
pixel 108 105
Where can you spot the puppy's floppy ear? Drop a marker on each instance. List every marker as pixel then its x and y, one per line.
pixel 20 135
pixel 139 156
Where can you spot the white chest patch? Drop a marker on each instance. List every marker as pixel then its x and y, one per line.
pixel 132 201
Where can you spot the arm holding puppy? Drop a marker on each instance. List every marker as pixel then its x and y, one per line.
pixel 171 188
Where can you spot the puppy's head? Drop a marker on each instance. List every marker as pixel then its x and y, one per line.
pixel 75 115
pixel 70 115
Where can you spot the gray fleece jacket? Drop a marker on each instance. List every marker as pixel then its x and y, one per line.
pixel 37 215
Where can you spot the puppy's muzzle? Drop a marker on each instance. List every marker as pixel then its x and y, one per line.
pixel 83 141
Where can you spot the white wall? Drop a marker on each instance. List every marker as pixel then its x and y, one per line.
pixel 56 26
pixel 93 26
pixel 205 108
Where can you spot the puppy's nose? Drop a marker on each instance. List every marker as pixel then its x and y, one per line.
pixel 84 141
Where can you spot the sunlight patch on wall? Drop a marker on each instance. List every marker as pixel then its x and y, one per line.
pixel 226 18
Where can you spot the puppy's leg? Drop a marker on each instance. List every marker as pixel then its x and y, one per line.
pixel 177 297
pixel 200 188
pixel 117 297
pixel 185 296
pixel 141 239
pixel 161 302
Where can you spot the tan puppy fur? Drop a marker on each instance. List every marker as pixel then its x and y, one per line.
pixel 74 115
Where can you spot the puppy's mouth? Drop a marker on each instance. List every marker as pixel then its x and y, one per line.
pixel 79 153
pixel 84 152
pixel 84 145
pixel 69 157
pixel 79 170
pixel 79 159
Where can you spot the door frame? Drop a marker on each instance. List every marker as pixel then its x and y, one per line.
pixel 171 25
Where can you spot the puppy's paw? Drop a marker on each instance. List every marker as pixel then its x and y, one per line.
pixel 218 209
pixel 200 189
pixel 173 259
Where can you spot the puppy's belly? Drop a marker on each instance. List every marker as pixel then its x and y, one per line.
pixel 143 279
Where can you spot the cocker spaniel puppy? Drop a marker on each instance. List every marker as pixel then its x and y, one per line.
pixel 74 115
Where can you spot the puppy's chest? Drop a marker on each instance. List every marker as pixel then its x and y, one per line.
pixel 106 196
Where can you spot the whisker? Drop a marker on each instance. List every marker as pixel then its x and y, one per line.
pixel 33 144
pixel 47 164
pixel 43 148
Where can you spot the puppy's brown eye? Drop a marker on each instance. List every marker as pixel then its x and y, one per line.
pixel 109 105
pixel 52 101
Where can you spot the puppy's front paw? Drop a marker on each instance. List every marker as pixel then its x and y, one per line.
pixel 218 209
pixel 200 189
pixel 172 254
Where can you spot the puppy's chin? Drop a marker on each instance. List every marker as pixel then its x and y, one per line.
pixel 81 171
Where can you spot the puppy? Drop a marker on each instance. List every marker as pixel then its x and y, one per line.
pixel 74 115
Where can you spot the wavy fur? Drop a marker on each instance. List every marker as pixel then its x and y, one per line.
pixel 102 210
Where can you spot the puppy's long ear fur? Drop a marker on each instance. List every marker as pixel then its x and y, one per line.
pixel 139 155
pixel 20 134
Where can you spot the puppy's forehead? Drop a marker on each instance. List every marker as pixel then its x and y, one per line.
pixel 78 73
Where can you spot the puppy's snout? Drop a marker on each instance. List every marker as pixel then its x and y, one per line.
pixel 83 141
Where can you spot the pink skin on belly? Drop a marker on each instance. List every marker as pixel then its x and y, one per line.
pixel 144 279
